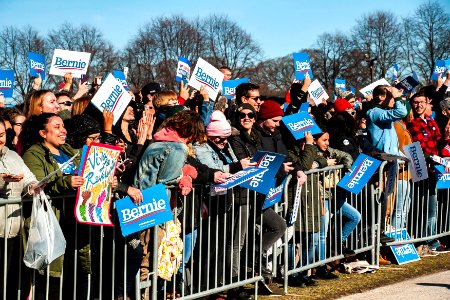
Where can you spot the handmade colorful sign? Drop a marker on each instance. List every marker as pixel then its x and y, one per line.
pixel 229 87
pixel 302 65
pixel 361 171
pixel 65 61
pixel 120 76
pixel 153 210
pixel 274 195
pixel 366 91
pixel 442 178
pixel 317 92
pixel 299 123
pixel 407 84
pixel 206 75
pixel 238 178
pixel 439 69
pixel 7 83
pixel 417 164
pixel 183 69
pixel 36 63
pixel 111 96
pixel 261 183
pixel 94 196
pixel 405 253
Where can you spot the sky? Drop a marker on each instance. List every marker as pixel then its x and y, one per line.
pixel 279 27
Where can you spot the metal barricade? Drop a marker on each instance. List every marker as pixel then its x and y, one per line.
pixel 329 220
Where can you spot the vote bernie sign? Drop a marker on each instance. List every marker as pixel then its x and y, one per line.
pixel 361 171
pixel 299 123
pixel 339 84
pixel 65 61
pixel 417 164
pixel 7 83
pixel 270 161
pixel 302 65
pixel 440 67
pixel 237 178
pixel 405 253
pixel 442 177
pixel 153 210
pixel 183 69
pixel 274 195
pixel 112 96
pixel 229 87
pixel 206 75
pixel 36 63
pixel 366 91
pixel 407 84
pixel 120 76
pixel 317 92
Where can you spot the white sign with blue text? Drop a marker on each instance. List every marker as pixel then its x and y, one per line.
pixel 405 253
pixel 361 171
pixel 7 83
pixel 317 92
pixel 36 63
pixel 229 87
pixel 153 210
pixel 417 164
pixel 111 96
pixel 299 123
pixel 65 61
pixel 183 69
pixel 302 65
pixel 237 178
pixel 206 75
pixel 367 91
pixel 120 76
pixel 261 183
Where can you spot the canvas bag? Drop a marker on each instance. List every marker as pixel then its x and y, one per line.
pixel 46 241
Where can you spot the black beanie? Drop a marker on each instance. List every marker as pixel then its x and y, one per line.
pixel 79 128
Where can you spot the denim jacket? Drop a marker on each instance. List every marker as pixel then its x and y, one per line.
pixel 207 155
pixel 161 163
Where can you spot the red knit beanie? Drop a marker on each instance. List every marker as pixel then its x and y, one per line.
pixel 341 105
pixel 269 109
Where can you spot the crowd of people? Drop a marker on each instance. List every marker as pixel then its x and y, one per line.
pixel 185 139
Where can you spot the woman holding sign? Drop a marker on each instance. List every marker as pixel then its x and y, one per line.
pixel 47 153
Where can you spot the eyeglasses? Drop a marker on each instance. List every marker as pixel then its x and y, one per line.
pixel 94 138
pixel 256 98
pixel 250 115
pixel 419 103
pixel 66 103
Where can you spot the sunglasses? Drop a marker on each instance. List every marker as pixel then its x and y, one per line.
pixel 220 139
pixel 66 103
pixel 250 115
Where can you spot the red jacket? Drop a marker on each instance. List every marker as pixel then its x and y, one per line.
pixel 427 133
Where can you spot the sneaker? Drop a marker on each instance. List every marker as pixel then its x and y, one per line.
pixel 324 273
pixel 441 249
pixel 310 282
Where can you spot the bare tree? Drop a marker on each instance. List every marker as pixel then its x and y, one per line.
pixel 426 37
pixel 229 45
pixel 15 44
pixel 378 35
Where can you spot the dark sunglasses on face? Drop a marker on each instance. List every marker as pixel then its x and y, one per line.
pixel 250 115
pixel 220 139
pixel 66 103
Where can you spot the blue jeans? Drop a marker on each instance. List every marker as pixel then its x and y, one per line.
pixel 352 217
pixel 402 204
pixel 431 222
pixel 189 242
pixel 324 222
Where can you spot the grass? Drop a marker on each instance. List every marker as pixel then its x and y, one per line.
pixel 348 284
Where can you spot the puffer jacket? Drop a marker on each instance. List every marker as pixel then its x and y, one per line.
pixel 12 163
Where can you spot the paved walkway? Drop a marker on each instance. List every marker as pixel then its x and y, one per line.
pixel 435 286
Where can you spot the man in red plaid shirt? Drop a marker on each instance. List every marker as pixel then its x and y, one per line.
pixel 424 129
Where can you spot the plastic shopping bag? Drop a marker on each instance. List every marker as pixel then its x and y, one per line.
pixel 46 241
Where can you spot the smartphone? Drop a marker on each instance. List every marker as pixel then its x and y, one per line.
pixel 84 78
pixel 98 80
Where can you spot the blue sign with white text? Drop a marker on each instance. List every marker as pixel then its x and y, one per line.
pixel 7 82
pixel 238 178
pixel 120 75
pixel 153 210
pixel 299 123
pixel 439 69
pixel 270 161
pixel 36 63
pixel 361 171
pixel 229 87
pixel 304 106
pixel 339 84
pixel 405 253
pixel 408 84
pixel 183 69
pixel 442 177
pixel 394 72
pixel 274 195
pixel 302 65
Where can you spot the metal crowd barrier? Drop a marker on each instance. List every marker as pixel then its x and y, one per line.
pixel 214 259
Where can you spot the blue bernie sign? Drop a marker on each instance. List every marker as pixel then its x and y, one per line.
pixel 269 161
pixel 339 84
pixel 229 87
pixel 37 64
pixel 274 195
pixel 153 210
pixel 442 177
pixel 405 253
pixel 302 65
pixel 439 69
pixel 7 83
pixel 299 123
pixel 407 84
pixel 120 76
pixel 238 178
pixel 361 171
